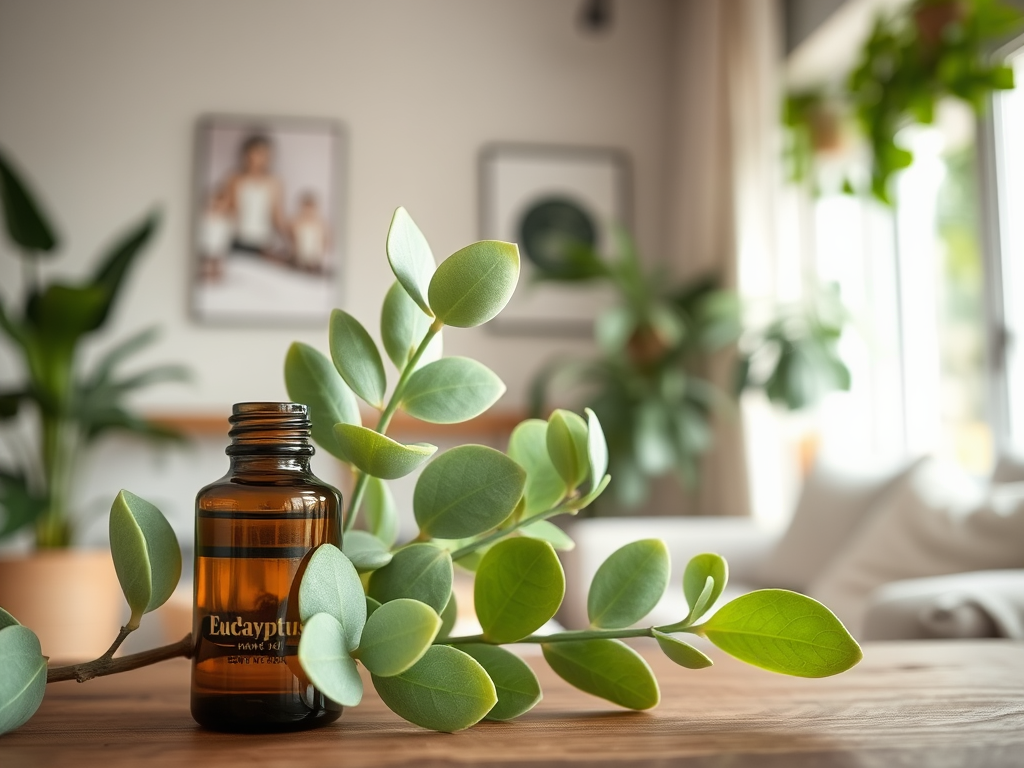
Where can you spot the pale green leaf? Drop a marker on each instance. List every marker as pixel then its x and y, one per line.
pixel 549 532
pixel 447 690
pixel 528 448
pixel 449 616
pixel 312 379
pixel 378 455
pixel 397 635
pixel 681 653
pixel 22 676
pixel 410 256
pixel 145 552
pixel 783 632
pixel 519 586
pixel 515 683
pixel 331 585
pixel 356 358
pixel 420 572
pixel 628 584
pixel 698 570
pixel 466 491
pixel 380 510
pixel 451 390
pixel 475 283
pixel 402 328
pixel 326 661
pixel 597 449
pixel 609 669
pixel 567 446
pixel 366 551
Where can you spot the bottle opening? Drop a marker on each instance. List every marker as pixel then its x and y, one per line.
pixel 269 428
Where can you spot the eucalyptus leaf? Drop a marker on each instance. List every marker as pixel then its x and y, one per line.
pixel 568 447
pixel 467 491
pixel 515 683
pixel 23 681
pixel 145 553
pixel 597 450
pixel 519 587
pixel 585 501
pixel 312 379
pixel 397 635
pixel 380 510
pixel 326 661
pixel 698 570
pixel 783 632
pixel 628 584
pixel 551 533
pixel 447 690
pixel 366 551
pixel 606 668
pixel 474 284
pixel 356 358
pixel 451 390
pixel 6 620
pixel 683 654
pixel 411 258
pixel 331 585
pixel 403 326
pixel 528 448
pixel 378 455
pixel 420 572
pixel 449 616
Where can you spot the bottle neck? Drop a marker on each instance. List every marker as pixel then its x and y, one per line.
pixel 269 437
pixel 268 464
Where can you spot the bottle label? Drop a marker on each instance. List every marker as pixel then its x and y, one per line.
pixel 239 635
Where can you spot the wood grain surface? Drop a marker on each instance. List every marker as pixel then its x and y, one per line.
pixel 907 704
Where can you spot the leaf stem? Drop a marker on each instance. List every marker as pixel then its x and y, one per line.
pixel 473 546
pixel 574 635
pixel 107 666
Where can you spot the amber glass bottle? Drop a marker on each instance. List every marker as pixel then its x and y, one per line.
pixel 256 528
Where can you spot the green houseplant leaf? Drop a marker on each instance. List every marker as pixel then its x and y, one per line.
pixel 23 681
pixel 378 455
pixel 568 447
pixel 26 224
pixel 628 584
pixel 366 551
pixel 683 654
pixel 397 635
pixel 528 448
pixel 447 690
pixel 514 682
pixel 474 284
pixel 451 390
pixel 420 572
pixel 381 512
pixel 145 552
pixel 609 669
pixel 331 585
pixel 519 586
pixel 698 571
pixel 313 380
pixel 783 632
pixel 118 260
pixel 325 660
pixel 411 258
pixel 356 358
pixel 465 491
pixel 403 326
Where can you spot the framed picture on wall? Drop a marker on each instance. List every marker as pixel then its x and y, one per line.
pixel 544 197
pixel 267 222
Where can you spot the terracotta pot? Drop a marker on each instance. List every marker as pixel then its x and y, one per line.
pixel 70 598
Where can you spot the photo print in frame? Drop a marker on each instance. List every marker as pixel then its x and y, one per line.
pixel 267 220
pixel 545 198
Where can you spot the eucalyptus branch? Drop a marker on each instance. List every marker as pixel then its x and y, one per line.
pixel 107 666
pixel 577 634
pixel 562 509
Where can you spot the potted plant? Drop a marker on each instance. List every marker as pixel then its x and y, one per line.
pixel 63 409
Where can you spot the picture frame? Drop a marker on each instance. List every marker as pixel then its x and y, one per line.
pixel 533 194
pixel 268 228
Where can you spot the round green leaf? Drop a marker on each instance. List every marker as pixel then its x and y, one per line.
pixel 549 532
pixel 366 551
pixel 465 491
pixel 515 683
pixel 23 680
pixel 629 584
pixel 326 662
pixel 378 455
pixel 528 448
pixel 447 690
pixel 145 552
pixel 609 669
pixel 451 390
pixel 410 256
pixel 681 653
pixel 698 571
pixel 380 510
pixel 356 358
pixel 567 446
pixel 783 632
pixel 397 635
pixel 420 572
pixel 449 616
pixel 597 449
pixel 331 585
pixel 402 328
pixel 474 284
pixel 519 586
pixel 313 380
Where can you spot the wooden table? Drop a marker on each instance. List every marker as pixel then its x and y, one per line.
pixel 907 704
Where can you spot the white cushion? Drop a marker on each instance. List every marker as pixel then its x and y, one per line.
pixel 833 504
pixel 937 521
